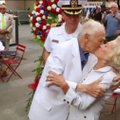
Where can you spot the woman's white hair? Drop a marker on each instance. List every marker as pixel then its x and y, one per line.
pixel 91 27
pixel 116 54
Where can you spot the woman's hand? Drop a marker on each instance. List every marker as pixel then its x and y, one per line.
pixel 58 80
pixel 92 89
pixel 116 82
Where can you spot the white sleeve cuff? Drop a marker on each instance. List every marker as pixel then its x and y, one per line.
pixel 69 96
pixel 72 85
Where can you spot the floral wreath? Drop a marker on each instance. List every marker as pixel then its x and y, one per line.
pixel 45 13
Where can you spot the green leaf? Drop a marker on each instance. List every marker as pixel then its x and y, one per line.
pixel 39 41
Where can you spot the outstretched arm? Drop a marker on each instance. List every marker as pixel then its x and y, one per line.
pixel 87 92
pixel 93 89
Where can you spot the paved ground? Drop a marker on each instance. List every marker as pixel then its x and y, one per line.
pixel 13 95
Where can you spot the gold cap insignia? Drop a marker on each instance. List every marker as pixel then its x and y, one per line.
pixel 74 3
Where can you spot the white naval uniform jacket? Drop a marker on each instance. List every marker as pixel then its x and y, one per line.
pixel 84 106
pixel 58 35
pixel 48 102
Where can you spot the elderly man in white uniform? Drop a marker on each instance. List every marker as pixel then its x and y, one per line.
pixel 48 103
pixel 69 29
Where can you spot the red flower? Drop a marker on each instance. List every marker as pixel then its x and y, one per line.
pixel 37 3
pixel 34 85
pixel 43 22
pixel 40 15
pixel 43 38
pixel 44 3
pixel 49 3
pixel 35 32
pixel 48 26
pixel 56 1
pixel 53 10
pixel 43 33
pixel 38 9
pixel 40 27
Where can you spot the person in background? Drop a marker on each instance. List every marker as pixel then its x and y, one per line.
pixel 6 26
pixel 71 14
pixel 97 14
pixel 112 21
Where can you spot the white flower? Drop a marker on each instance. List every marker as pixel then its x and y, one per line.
pixel 33 12
pixel 37 24
pixel 34 28
pixel 49 8
pixel 38 36
pixel 59 19
pixel 40 2
pixel 31 18
pixel 31 25
pixel 38 6
pixel 59 16
pixel 38 18
pixel 43 17
pixel 35 7
pixel 44 27
pixel 57 9
pixel 54 6
pixel 37 13
pixel 42 11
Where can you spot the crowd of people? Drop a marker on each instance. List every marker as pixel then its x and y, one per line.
pixel 108 15
pixel 80 69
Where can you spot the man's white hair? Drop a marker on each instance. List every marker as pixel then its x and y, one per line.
pixel 91 27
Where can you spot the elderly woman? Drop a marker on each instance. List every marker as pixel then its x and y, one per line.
pixel 84 106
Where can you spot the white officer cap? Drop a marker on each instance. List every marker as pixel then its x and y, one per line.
pixel 71 7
